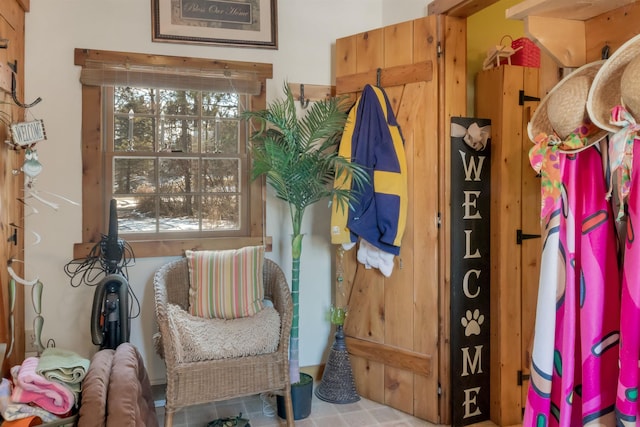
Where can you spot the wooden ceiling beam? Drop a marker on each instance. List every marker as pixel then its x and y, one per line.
pixel 458 8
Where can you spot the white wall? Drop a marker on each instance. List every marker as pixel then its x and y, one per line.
pixel 394 11
pixel 307 31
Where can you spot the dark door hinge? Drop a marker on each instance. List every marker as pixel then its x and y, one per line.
pixel 520 236
pixel 522 377
pixel 523 98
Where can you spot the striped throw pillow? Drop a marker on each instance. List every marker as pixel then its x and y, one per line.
pixel 226 284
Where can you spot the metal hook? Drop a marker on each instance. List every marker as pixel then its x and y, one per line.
pixel 378 76
pixel 14 237
pixel 14 69
pixel 304 103
pixel 605 52
pixel 4 43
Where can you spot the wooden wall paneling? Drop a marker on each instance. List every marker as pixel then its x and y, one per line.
pixel 510 220
pixel 11 210
pixel 503 84
pixel 369 377
pixel 458 8
pixel 398 50
pixel 424 194
pixel 369 50
pixel 366 303
pixel 572 9
pixel 345 56
pixel 531 248
pixel 549 73
pixel 506 170
pixel 612 28
pixel 25 4
pixel 561 38
pixel 367 374
pixel 398 44
pixel 408 308
pixel 452 33
pixel 366 321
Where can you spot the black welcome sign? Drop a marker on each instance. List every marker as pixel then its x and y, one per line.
pixel 470 267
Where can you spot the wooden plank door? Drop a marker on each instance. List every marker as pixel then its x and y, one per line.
pixel 394 325
pixel 502 95
pixel 531 226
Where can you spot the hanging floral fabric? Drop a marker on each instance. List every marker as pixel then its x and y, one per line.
pixel 574 363
pixel 575 352
pixel 614 105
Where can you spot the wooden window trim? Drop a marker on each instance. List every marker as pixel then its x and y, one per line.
pixel 95 207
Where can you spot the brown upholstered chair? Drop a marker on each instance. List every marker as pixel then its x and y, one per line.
pixel 201 381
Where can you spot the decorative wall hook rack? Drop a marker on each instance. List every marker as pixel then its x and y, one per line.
pixel 311 93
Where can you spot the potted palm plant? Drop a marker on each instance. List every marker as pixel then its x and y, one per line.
pixel 299 157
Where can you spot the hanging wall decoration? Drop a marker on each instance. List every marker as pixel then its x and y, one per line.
pixel 470 267
pixel 249 23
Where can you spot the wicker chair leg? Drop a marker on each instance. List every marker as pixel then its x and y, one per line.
pixel 288 407
pixel 168 418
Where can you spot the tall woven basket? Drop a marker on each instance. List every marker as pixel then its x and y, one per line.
pixel 338 384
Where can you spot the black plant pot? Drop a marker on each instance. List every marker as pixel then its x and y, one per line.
pixel 301 394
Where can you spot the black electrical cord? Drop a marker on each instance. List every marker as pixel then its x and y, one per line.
pixel 97 264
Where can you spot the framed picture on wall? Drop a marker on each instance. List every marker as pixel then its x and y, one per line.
pixel 246 23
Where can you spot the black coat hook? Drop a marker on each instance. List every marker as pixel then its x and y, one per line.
pixel 14 69
pixel 304 103
pixel 605 52
pixel 378 76
pixel 14 237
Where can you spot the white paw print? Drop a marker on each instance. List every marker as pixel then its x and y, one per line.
pixel 471 322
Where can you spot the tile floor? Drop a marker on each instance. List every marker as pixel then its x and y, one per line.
pixel 363 413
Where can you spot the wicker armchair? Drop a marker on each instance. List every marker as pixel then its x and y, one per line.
pixel 192 383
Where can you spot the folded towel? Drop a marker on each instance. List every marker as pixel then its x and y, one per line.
pixel 11 411
pixel 64 366
pixel 30 387
pixel 372 256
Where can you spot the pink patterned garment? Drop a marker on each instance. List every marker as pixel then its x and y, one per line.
pixel 574 368
pixel 627 402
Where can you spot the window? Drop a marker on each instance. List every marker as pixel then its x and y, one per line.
pixel 163 137
pixel 176 161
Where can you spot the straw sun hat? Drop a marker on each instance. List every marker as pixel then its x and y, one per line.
pixel 563 111
pixel 617 83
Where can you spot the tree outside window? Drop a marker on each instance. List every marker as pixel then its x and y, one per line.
pixel 171 150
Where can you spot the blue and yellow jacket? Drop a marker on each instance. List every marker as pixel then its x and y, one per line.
pixel 372 138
